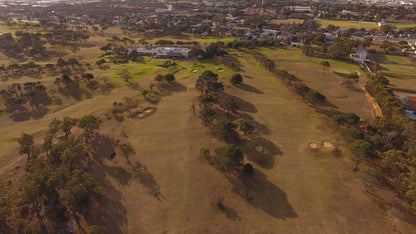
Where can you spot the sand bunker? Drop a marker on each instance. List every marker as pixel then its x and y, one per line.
pixel 327 144
pixel 221 70
pixel 313 145
pixel 194 70
pixel 259 148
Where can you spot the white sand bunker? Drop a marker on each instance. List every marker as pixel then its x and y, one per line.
pixel 313 145
pixel 259 148
pixel 221 70
pixel 194 70
pixel 327 144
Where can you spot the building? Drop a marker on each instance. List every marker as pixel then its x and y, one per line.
pixel 301 9
pixel 163 52
pixel 360 56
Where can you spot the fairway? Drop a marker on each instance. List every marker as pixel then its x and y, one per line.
pixel 400 70
pixel 342 23
pixel 310 71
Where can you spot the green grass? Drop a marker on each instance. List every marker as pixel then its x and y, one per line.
pixel 183 70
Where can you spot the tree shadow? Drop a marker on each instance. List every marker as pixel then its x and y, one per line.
pixel 244 105
pixel 230 213
pixel 249 88
pixel 107 211
pixel 325 103
pixel 264 195
pixel 119 173
pixel 21 116
pixel 102 147
pixel 177 87
pixel 141 173
pixel 406 214
pixel 40 113
pixel 262 152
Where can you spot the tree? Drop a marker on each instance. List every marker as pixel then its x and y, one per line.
pixel 100 62
pixel 196 52
pixel 90 124
pixel 246 126
pixel 228 157
pixel 61 63
pixel 361 150
pixel 170 77
pixel 206 99
pixel 78 190
pixel 395 163
pixel 26 144
pixel 158 77
pixel 349 135
pixel 34 183
pixel 206 113
pixel 87 76
pixel 325 64
pixel 225 129
pixel 208 83
pixel 229 104
pixel 236 79
pixel 67 124
pixel 366 42
pixel 248 169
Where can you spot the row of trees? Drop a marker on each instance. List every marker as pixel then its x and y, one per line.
pixel 309 95
pixel 219 112
pixel 394 135
pixel 56 185
pixel 23 102
pixel 32 67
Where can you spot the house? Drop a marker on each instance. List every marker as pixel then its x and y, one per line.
pixel 296 44
pixel 283 37
pixel 163 52
pixel 329 36
pixel 360 56
pixel 301 9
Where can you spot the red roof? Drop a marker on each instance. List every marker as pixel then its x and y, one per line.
pixel 413 100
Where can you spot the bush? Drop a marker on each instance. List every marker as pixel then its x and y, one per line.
pixel 204 150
